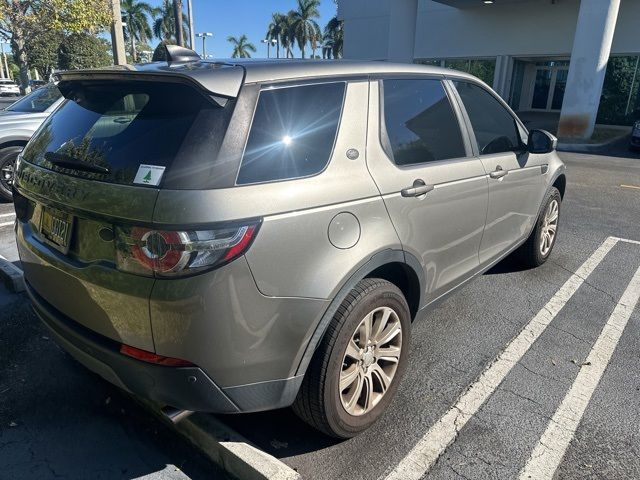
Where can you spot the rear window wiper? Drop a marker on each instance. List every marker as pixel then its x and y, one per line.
pixel 67 161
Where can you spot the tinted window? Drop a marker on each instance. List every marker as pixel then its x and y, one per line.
pixel 495 128
pixel 38 100
pixel 292 133
pixel 421 125
pixel 118 126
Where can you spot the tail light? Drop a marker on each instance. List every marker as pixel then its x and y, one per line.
pixel 151 357
pixel 167 253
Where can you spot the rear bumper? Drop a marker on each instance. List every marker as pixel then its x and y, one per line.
pixel 182 387
pixel 188 388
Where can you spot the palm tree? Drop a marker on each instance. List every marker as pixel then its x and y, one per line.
pixel 305 28
pixel 276 29
pixel 333 39
pixel 241 47
pixel 164 23
pixel 287 38
pixel 134 14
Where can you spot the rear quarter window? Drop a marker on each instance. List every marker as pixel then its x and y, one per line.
pixel 292 133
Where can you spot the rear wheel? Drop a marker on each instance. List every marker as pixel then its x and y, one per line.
pixel 355 371
pixel 538 247
pixel 8 158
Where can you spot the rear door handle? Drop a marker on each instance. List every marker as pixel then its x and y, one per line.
pixel 418 188
pixel 498 172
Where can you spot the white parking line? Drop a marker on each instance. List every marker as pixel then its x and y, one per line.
pixel 422 457
pixel 553 444
pixel 12 214
pixel 6 224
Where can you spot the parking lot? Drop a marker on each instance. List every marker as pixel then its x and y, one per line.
pixel 522 373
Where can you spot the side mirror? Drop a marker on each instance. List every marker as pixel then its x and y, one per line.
pixel 541 141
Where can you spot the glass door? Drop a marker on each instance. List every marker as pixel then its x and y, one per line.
pixel 550 84
pixel 541 89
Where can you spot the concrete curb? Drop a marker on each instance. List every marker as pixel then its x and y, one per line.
pixel 11 275
pixel 227 448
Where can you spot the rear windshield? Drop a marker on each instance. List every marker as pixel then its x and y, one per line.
pixel 135 132
pixel 37 101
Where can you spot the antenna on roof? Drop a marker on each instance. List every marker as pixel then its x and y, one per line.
pixel 174 53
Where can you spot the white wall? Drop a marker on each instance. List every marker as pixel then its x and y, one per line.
pixel 379 29
pixel 532 28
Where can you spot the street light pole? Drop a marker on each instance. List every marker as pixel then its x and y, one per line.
pixel 204 36
pixel 191 33
pixel 269 43
pixel 117 35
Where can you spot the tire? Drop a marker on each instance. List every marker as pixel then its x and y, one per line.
pixel 532 253
pixel 8 158
pixel 320 402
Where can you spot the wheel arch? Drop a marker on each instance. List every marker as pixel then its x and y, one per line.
pixel 561 184
pixel 396 266
pixel 17 142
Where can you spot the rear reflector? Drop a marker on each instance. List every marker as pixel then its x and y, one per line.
pixel 150 357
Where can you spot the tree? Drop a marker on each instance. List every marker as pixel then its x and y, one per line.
pixel 134 14
pixel 305 28
pixel 241 46
pixel 164 23
pixel 333 39
pixel 277 28
pixel 42 51
pixel 83 50
pixel 21 20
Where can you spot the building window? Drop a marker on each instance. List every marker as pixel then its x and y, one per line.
pixel 483 68
pixel 620 100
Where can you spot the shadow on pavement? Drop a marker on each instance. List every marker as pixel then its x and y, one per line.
pixel 58 420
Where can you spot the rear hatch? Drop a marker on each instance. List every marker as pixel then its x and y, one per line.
pixel 92 171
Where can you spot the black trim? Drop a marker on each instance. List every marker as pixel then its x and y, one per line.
pixel 378 260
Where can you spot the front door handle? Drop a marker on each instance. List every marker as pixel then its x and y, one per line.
pixel 498 172
pixel 418 188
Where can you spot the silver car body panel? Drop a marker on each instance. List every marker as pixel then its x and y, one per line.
pixel 251 326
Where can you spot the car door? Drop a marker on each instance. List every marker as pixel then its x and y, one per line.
pixel 434 189
pixel 516 182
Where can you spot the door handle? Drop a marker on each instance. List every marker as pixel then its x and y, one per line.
pixel 418 188
pixel 498 172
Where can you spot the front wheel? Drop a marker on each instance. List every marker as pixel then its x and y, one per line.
pixel 8 157
pixel 536 250
pixel 355 371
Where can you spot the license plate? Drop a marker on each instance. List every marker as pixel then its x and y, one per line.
pixel 56 227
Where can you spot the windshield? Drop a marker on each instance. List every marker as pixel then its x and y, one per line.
pixel 129 132
pixel 37 101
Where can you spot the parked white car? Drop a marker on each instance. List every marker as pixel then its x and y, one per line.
pixel 8 87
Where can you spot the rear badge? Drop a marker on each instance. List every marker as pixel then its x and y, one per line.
pixel 149 175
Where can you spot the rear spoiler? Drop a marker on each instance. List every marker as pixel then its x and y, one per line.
pixel 181 65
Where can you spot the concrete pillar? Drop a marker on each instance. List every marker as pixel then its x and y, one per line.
pixel 402 30
pixel 591 47
pixel 502 76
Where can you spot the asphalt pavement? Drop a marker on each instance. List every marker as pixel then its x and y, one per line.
pixel 58 419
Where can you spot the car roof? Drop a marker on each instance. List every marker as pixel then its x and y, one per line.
pixel 226 76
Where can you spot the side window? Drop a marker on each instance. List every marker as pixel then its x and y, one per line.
pixel 420 122
pixel 495 128
pixel 293 132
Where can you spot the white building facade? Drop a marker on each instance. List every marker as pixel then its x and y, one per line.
pixel 579 58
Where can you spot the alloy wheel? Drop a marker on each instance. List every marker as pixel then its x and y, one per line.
pixel 549 227
pixel 7 173
pixel 370 361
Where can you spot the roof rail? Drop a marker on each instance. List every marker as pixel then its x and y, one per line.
pixel 174 53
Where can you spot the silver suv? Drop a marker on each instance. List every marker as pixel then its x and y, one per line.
pixel 249 235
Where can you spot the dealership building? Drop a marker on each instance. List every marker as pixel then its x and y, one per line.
pixel 573 60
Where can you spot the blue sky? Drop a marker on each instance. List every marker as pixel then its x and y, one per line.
pixel 237 17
